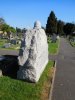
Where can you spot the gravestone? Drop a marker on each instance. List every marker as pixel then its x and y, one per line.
pixel 33 54
pixel 0 73
pixel 7 45
pixel 54 38
pixel 13 41
pixel 57 37
pixel 73 39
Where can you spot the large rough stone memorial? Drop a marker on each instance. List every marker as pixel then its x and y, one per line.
pixel 33 54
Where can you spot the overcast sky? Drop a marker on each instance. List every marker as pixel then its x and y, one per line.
pixel 23 13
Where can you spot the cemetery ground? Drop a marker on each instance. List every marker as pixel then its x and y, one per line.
pixel 11 89
pixel 72 43
pixel 64 81
pixel 53 47
pixel 18 90
pixel 12 46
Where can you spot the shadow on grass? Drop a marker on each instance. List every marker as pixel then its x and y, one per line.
pixel 9 66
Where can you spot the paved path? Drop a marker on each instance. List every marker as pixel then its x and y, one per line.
pixel 64 83
pixel 9 52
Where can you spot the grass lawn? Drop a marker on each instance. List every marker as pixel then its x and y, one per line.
pixel 53 47
pixel 11 89
pixel 14 47
pixel 2 42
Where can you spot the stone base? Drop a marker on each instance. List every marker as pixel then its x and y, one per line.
pixel 31 74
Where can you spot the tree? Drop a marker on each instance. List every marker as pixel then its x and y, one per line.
pixel 69 28
pixel 24 30
pixel 8 29
pixel 19 32
pixel 51 26
pixel 60 26
pixel 2 21
pixel 12 29
pixel 5 28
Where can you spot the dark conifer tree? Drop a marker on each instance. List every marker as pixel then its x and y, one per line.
pixel 51 26
pixel 69 28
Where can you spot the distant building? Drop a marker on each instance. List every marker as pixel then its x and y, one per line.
pixel 2 34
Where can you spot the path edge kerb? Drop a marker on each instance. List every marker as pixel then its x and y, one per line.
pixel 53 80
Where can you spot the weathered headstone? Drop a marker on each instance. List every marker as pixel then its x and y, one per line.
pixel 73 39
pixel 13 41
pixel 54 37
pixel 58 37
pixel 33 55
pixel 0 73
pixel 7 45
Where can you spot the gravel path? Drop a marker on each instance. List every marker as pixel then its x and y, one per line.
pixel 9 52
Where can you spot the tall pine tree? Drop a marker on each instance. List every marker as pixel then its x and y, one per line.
pixel 51 26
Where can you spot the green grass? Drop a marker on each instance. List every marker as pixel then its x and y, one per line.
pixel 14 47
pixel 2 42
pixel 53 47
pixel 11 89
